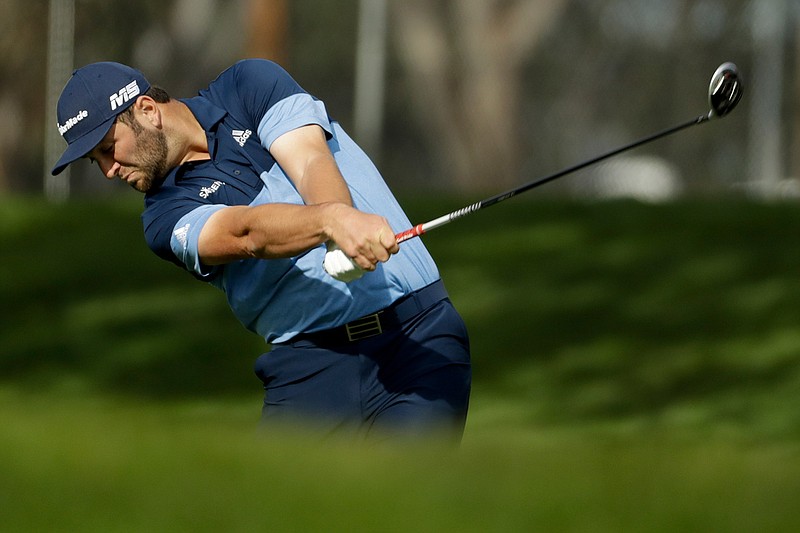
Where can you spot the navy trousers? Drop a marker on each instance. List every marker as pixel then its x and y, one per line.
pixel 413 379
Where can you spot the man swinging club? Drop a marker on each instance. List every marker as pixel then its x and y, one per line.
pixel 248 186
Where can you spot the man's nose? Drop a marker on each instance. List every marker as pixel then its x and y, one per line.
pixel 113 170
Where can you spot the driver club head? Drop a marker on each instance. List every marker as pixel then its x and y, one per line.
pixel 725 90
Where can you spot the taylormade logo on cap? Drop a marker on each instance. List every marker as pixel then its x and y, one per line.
pixel 62 129
pixel 123 95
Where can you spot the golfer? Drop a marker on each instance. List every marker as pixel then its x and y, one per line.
pixel 249 186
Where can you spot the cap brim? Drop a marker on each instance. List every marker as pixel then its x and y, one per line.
pixel 82 146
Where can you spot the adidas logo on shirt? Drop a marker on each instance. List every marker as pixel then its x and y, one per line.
pixel 182 234
pixel 241 136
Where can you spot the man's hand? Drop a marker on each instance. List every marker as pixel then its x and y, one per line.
pixel 339 266
pixel 364 238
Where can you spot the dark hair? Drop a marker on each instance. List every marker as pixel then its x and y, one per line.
pixel 156 93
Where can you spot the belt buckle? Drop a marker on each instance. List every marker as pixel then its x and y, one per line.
pixel 364 327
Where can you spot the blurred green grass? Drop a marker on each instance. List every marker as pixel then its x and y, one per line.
pixel 87 465
pixel 637 367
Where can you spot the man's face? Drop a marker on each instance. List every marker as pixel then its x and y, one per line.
pixel 133 153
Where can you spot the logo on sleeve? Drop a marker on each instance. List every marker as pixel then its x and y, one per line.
pixel 205 192
pixel 181 234
pixel 241 136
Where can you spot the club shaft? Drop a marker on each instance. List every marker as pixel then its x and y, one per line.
pixel 421 229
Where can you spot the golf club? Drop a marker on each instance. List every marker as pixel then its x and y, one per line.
pixel 724 92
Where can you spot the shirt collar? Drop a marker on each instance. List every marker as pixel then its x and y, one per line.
pixel 209 116
pixel 206 113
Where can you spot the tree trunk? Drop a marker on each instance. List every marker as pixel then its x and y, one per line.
pixel 267 26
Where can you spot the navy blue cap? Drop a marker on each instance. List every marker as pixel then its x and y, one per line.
pixel 89 104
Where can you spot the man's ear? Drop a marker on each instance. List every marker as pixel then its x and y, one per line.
pixel 148 109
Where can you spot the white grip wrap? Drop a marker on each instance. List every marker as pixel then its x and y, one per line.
pixel 339 266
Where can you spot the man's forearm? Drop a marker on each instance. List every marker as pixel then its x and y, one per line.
pixel 267 231
pixel 322 183
pixel 304 156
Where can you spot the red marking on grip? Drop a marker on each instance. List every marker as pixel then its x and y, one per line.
pixel 416 231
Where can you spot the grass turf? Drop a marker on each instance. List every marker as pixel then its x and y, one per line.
pixel 636 368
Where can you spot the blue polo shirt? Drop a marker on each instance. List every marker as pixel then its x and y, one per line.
pixel 243 111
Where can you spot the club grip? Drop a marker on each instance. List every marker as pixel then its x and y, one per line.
pixel 403 236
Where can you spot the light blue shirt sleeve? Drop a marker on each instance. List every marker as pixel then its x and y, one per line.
pixel 186 235
pixel 291 113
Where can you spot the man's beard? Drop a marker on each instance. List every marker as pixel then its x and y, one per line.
pixel 151 153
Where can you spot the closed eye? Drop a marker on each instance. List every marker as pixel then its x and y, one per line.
pixel 101 150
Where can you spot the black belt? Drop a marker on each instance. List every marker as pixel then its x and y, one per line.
pixel 368 326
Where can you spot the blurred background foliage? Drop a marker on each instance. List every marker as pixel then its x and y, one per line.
pixel 471 95
pixel 636 363
pixel 679 317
